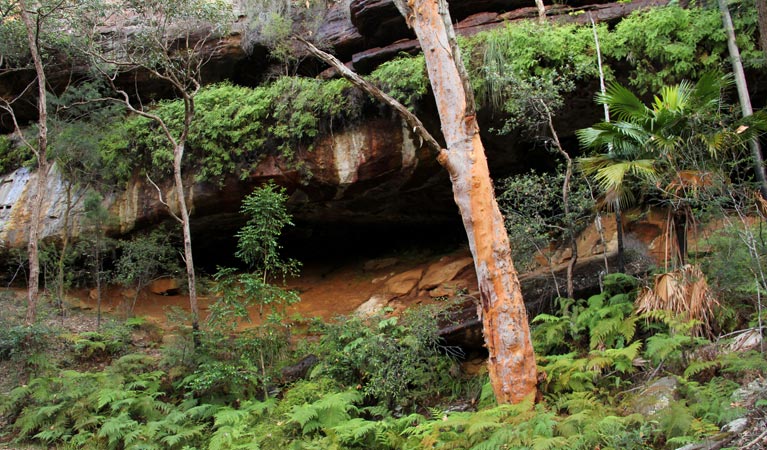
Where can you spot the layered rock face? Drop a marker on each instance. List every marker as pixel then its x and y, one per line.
pixel 373 172
pixel 369 173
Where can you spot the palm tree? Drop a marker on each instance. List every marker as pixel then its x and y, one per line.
pixel 667 145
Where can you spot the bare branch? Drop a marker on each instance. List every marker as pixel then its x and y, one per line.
pixel 413 122
pixel 162 200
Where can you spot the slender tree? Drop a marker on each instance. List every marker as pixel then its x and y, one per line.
pixel 42 160
pixel 32 18
pixel 742 86
pixel 169 44
pixel 761 11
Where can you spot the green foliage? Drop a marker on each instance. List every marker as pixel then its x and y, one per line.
pixel 120 407
pixel 76 129
pixel 112 340
pixel 736 254
pixel 395 361
pixel 257 242
pixel 712 400
pixel 404 78
pixel 49 17
pixel 528 63
pixel 234 126
pixel 14 156
pixel 532 207
pixel 241 366
pixel 144 258
pixel 20 343
pixel 258 246
pixel 669 44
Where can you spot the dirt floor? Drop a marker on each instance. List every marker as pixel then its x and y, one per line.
pixel 325 293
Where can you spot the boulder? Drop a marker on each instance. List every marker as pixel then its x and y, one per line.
pixel 656 397
pixel 736 426
pixel 749 340
pixel 449 289
pixel 404 283
pixel 373 305
pixel 443 271
pixel 164 286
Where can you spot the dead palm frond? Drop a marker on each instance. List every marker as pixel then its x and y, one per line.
pixel 683 291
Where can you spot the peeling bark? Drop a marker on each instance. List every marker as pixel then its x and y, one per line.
pixel 511 360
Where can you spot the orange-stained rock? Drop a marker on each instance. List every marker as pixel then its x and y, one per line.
pixel 443 271
pixel 404 283
pixel 449 289
pixel 164 286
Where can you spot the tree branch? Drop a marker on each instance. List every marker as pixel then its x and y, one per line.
pixel 413 122
pixel 162 200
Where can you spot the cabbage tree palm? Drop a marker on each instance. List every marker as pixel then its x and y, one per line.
pixel 666 145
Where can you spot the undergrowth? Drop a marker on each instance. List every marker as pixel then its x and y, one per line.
pixel 388 382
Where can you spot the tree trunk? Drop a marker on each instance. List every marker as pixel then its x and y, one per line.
pixel 743 97
pixel 541 10
pixel 511 363
pixel 619 230
pixel 680 233
pixel 178 155
pixel 42 168
pixel 98 276
pixel 565 201
pixel 600 228
pixel 64 249
pixel 761 11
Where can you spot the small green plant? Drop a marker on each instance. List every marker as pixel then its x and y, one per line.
pixel 13 157
pixel 112 340
pixel 258 246
pixel 142 259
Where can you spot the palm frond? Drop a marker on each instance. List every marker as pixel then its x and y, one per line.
pixel 624 105
pixel 684 291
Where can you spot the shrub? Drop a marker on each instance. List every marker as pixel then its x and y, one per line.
pixel 395 361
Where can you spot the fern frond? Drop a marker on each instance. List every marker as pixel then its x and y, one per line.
pixel 696 367
pixel 230 417
pixel 116 428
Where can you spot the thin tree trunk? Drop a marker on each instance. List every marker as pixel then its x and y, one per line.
pixel 64 248
pixel 97 254
pixel 566 203
pixel 541 10
pixel 761 11
pixel 680 232
pixel 619 229
pixel 745 100
pixel 511 360
pixel 42 168
pixel 178 155
pixel 618 217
